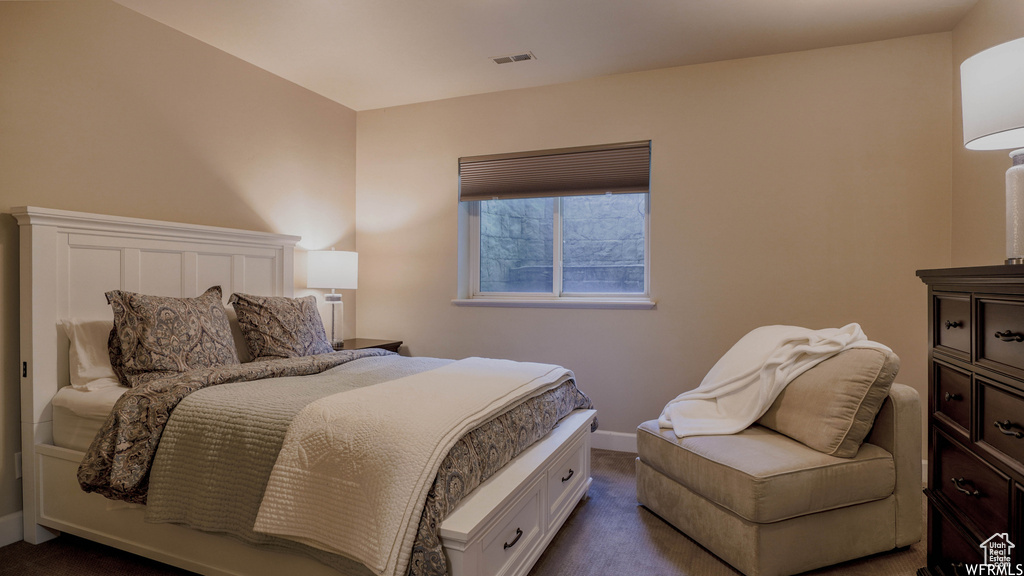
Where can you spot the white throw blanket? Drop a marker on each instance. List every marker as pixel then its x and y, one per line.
pixel 355 468
pixel 745 382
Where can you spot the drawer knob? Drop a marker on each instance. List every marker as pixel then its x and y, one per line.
pixel 571 472
pixel 519 534
pixel 951 397
pixel 1009 336
pixel 953 324
pixel 1006 428
pixel 959 482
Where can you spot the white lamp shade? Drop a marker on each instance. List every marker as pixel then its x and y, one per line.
pixel 332 269
pixel 992 86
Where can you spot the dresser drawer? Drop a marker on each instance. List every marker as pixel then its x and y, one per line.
pixel 955 550
pixel 1001 423
pixel 953 322
pixel 1001 334
pixel 953 394
pixel 972 486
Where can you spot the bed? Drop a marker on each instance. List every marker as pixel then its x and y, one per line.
pixel 69 260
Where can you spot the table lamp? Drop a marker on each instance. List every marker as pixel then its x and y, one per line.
pixel 992 86
pixel 337 270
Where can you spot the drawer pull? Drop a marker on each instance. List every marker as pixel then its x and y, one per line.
pixel 1005 427
pixel 519 534
pixel 1009 336
pixel 958 482
pixel 951 397
pixel 954 324
pixel 571 472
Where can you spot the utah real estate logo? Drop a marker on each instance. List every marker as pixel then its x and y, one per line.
pixel 997 551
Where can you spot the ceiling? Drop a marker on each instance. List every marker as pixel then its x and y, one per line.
pixel 376 53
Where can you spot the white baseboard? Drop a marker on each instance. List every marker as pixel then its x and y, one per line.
pixel 11 528
pixel 617 441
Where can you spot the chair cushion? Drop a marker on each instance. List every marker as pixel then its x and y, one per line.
pixel 764 476
pixel 832 406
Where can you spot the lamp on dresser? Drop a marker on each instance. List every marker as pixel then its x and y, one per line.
pixel 992 90
pixel 336 270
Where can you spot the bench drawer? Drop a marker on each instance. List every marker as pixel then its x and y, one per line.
pixel 565 478
pixel 513 536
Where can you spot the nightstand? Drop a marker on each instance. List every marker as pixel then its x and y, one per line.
pixel 361 343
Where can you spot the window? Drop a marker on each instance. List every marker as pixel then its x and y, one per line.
pixel 558 227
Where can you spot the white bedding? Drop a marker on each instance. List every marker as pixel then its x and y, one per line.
pixel 78 414
pixel 354 470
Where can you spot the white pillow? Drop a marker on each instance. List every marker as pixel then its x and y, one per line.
pixel 88 357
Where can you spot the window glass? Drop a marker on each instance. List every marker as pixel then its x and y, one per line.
pixel 603 243
pixel 517 245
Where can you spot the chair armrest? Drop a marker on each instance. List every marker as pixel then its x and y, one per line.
pixel 897 429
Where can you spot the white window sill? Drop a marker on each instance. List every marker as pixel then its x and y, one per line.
pixel 606 303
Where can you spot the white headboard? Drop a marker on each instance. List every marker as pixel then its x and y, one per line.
pixel 69 259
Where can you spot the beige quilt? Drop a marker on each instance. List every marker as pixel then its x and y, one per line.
pixel 355 468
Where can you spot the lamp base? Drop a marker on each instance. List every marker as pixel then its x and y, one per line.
pixel 1015 209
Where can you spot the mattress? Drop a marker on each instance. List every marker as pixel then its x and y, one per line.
pixel 78 414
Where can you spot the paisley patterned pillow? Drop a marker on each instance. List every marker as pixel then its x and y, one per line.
pixel 154 336
pixel 280 327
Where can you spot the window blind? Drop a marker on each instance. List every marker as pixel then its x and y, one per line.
pixel 583 171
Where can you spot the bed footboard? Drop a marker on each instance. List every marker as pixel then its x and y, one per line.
pixel 523 506
pixel 508 521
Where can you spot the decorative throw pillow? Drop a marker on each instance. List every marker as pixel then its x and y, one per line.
pixel 832 406
pixel 158 335
pixel 280 327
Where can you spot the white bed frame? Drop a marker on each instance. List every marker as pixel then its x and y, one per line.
pixel 68 261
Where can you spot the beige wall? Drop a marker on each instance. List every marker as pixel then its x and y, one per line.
pixel 802 188
pixel 103 110
pixel 979 181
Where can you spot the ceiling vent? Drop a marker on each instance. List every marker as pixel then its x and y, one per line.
pixel 514 58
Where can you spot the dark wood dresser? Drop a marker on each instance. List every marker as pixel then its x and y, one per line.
pixel 976 413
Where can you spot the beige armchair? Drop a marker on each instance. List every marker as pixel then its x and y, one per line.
pixel 771 505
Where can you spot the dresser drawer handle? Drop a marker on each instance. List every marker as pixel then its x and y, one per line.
pixel 1005 427
pixel 953 324
pixel 1009 336
pixel 571 472
pixel 958 482
pixel 952 397
pixel 519 534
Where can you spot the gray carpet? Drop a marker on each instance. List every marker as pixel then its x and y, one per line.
pixel 608 534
